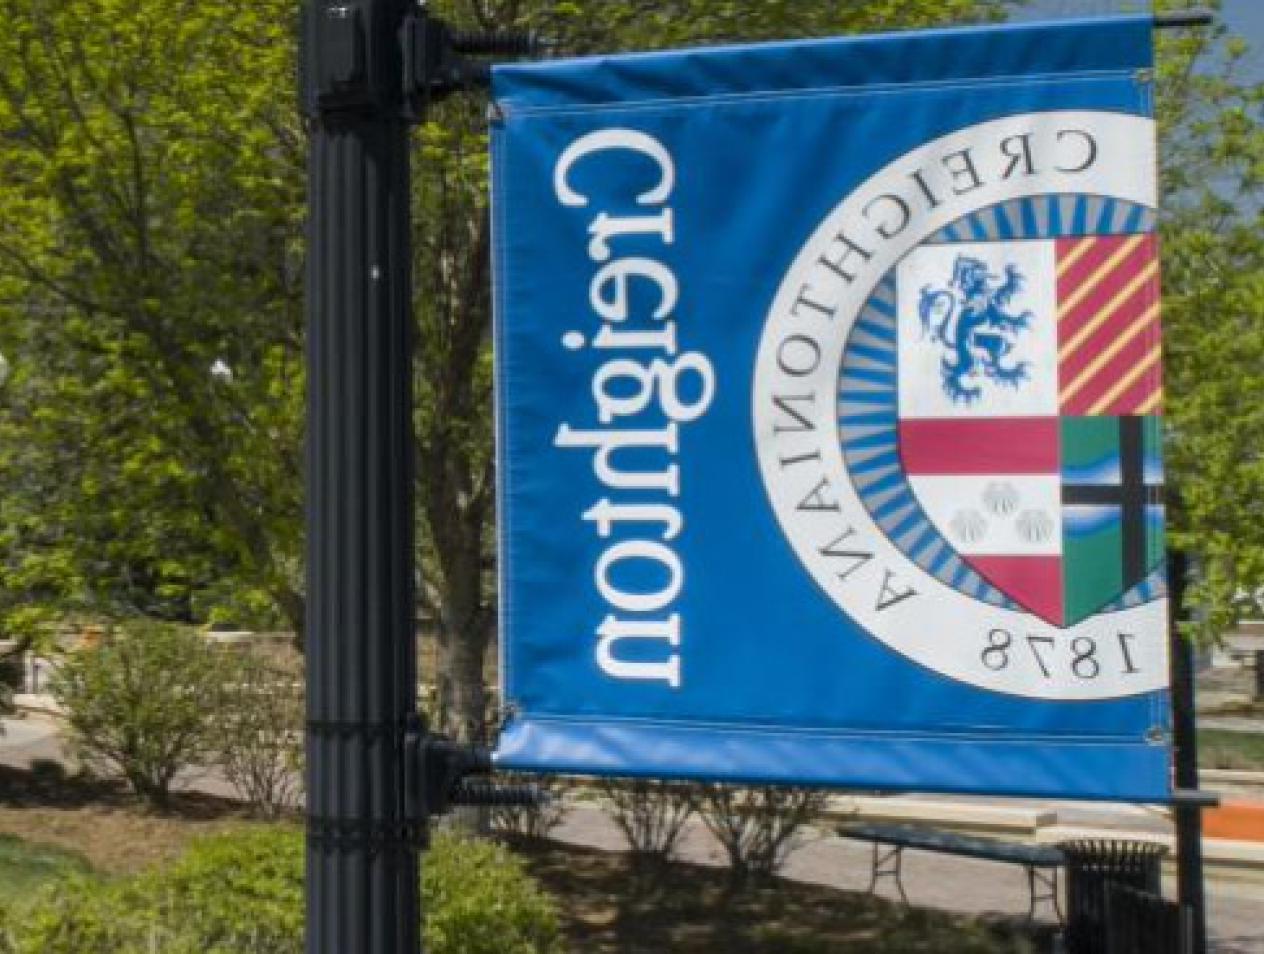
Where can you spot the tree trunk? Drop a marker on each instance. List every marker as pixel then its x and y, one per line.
pixel 462 689
pixel 1259 675
pixel 153 793
pixel 461 604
pixel 294 605
pixel 462 705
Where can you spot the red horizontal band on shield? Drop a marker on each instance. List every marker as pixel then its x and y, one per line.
pixel 980 446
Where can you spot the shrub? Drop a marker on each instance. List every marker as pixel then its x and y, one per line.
pixel 260 733
pixel 652 815
pixel 232 894
pixel 141 704
pixel 238 892
pixel 532 821
pixel 477 899
pixel 242 893
pixel 758 827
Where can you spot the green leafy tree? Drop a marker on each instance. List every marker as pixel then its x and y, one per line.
pixel 1212 141
pixel 150 310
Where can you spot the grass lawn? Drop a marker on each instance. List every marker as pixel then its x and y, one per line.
pixel 1220 749
pixel 25 866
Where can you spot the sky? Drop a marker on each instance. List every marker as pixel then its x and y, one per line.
pixel 1245 18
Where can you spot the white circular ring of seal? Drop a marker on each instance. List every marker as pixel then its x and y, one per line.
pixel 939 628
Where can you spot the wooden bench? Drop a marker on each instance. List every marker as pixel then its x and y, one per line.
pixel 1042 862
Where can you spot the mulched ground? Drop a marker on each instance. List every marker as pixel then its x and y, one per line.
pixel 610 908
pixel 100 820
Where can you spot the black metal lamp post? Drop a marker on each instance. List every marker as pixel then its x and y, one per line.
pixel 362 863
pixel 375 776
pixel 1189 802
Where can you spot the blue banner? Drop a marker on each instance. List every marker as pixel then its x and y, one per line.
pixel 829 402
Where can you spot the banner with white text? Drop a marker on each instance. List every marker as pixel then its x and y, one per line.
pixel 829 394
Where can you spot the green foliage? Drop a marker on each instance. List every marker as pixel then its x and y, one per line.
pixel 150 232
pixel 1213 275
pixel 238 892
pixel 24 867
pixel 234 894
pixel 142 704
pixel 478 900
pixel 242 893
pixel 615 25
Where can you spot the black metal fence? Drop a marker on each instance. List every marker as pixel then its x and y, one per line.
pixel 1114 899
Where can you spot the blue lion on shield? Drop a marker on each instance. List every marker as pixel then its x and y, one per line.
pixel 972 320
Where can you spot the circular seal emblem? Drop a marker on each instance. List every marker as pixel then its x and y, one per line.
pixel 956 407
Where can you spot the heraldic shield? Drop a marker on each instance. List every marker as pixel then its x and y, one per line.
pixel 1020 350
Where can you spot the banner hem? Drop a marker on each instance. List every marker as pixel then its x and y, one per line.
pixel 1055 767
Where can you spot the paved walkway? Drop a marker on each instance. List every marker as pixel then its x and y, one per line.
pixel 32 739
pixel 955 884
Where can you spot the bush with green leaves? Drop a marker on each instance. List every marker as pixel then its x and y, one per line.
pixel 142 704
pixel 231 894
pixel 242 893
pixel 478 899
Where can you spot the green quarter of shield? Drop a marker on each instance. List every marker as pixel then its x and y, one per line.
pixel 1112 508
